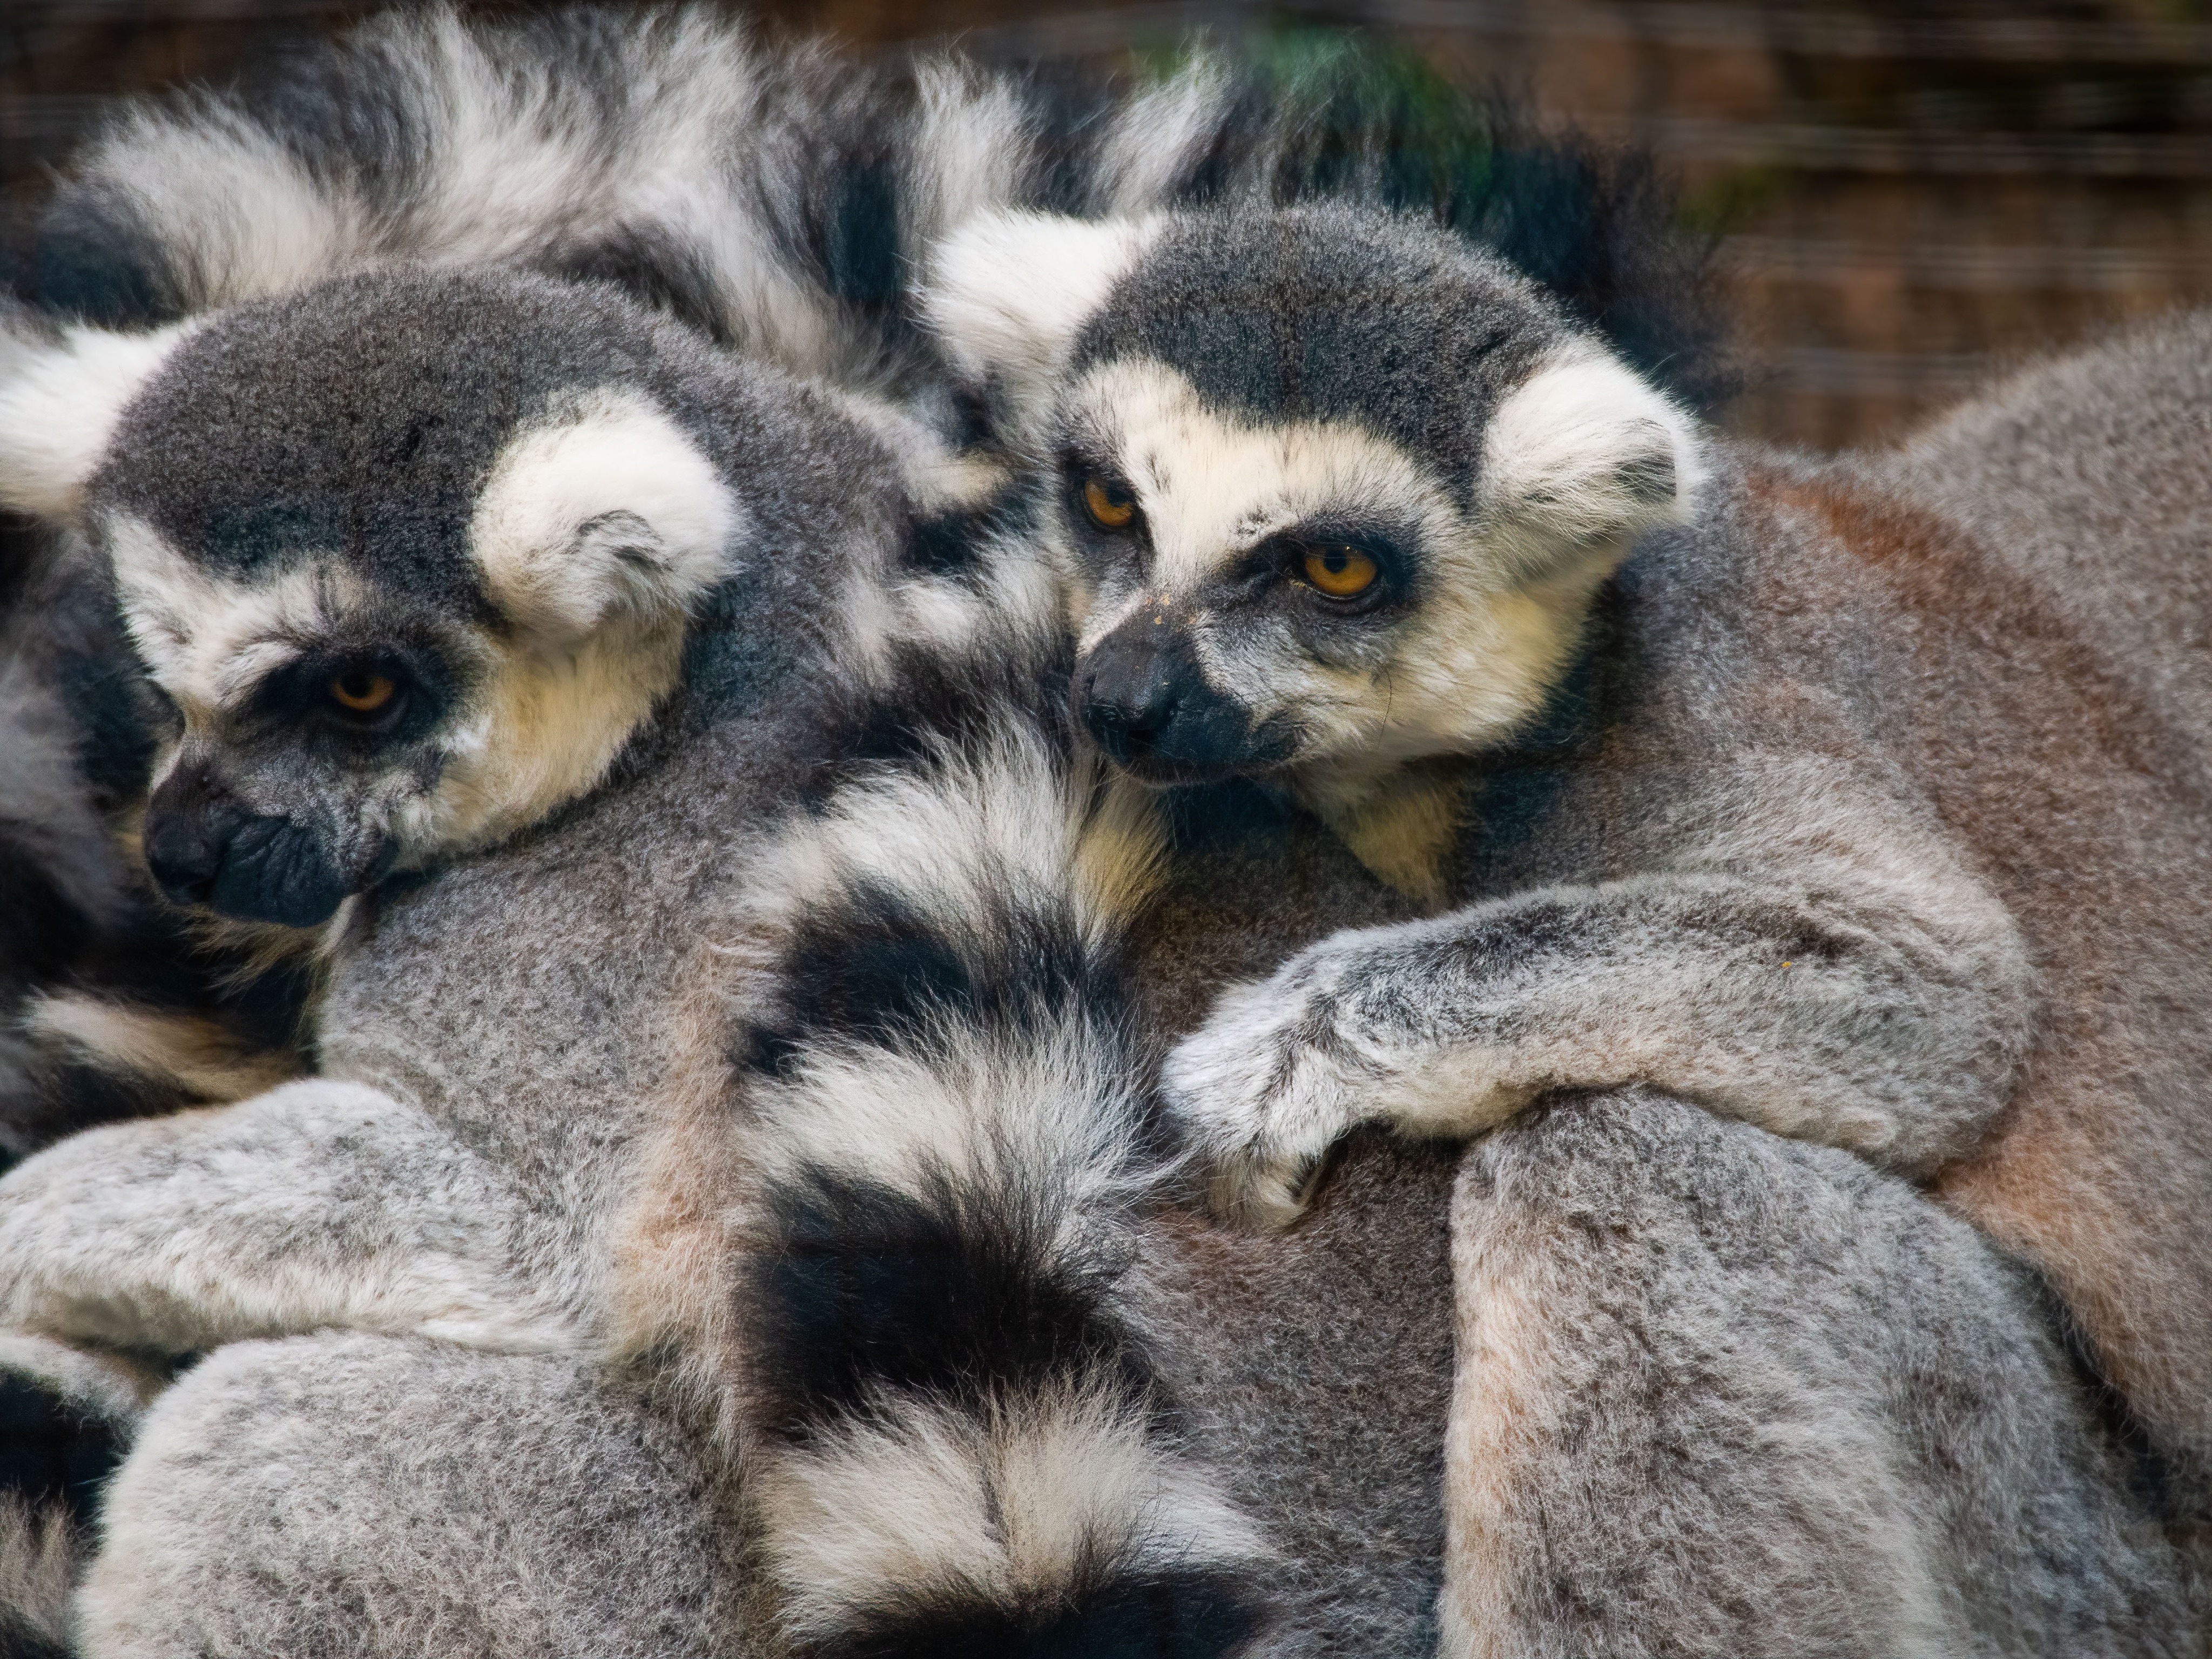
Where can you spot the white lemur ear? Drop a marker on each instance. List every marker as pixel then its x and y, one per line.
pixel 60 397
pixel 1587 450
pixel 609 507
pixel 1008 291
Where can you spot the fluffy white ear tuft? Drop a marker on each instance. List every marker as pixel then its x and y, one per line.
pixel 1586 450
pixel 1008 291
pixel 59 401
pixel 609 507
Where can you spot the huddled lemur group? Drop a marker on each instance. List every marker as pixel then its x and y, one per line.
pixel 735 769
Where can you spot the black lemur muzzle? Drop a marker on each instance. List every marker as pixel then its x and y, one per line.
pixel 205 848
pixel 1149 706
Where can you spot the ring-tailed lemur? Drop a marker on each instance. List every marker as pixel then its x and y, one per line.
pixel 185 1462
pixel 425 563
pixel 1769 784
pixel 893 1235
pixel 366 637
pixel 785 198
pixel 351 594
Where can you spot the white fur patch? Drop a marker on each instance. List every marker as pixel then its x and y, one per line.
pixel 1157 136
pixel 609 507
pixel 922 1502
pixel 1586 448
pixel 243 214
pixel 1008 291
pixel 208 640
pixel 58 408
pixel 971 149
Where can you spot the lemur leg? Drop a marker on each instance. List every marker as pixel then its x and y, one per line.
pixel 1886 1018
pixel 320 1203
pixel 1723 1393
pixel 355 1495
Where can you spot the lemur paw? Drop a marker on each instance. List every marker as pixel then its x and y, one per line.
pixel 1263 1090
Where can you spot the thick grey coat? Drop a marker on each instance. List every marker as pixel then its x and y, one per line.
pixel 1281 1388
pixel 494 1028
pixel 1706 1391
pixel 1828 797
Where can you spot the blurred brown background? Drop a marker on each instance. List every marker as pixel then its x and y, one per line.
pixel 1911 195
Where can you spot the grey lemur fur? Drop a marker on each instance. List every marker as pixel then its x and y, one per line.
pixel 1787 789
pixel 452 1168
pixel 784 198
pixel 1713 1391
pixel 1249 1391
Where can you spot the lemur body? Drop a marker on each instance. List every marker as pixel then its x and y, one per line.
pixel 553 663
pixel 1820 810
pixel 1848 1419
pixel 1459 1409
pixel 1224 1306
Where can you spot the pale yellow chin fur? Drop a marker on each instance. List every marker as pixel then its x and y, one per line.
pixel 551 725
pixel 1403 828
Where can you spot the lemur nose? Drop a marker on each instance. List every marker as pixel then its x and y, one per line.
pixel 188 827
pixel 1128 699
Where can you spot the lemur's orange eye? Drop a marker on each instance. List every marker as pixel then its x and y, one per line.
pixel 362 693
pixel 1342 572
pixel 1110 507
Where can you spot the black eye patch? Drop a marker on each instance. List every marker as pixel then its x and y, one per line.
pixel 378 693
pixel 1331 566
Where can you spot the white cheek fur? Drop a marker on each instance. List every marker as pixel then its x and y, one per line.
pixel 1580 458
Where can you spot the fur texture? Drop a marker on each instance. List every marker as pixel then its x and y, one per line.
pixel 1328 1429
pixel 786 199
pixel 890 1217
pixel 363 1495
pixel 1698 839
pixel 115 1004
pixel 38 1547
pixel 145 1273
pixel 1621 1254
pixel 453 1170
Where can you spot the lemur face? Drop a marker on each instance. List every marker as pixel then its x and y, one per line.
pixel 410 558
pixel 1331 490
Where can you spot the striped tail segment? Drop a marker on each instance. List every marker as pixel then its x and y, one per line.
pixel 958 1441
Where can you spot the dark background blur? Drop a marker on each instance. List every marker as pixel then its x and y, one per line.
pixel 1910 196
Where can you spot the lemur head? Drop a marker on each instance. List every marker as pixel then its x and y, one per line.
pixel 1331 489
pixel 411 558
